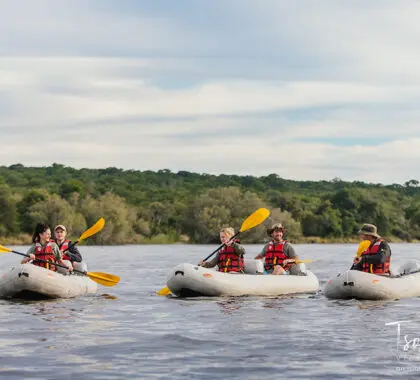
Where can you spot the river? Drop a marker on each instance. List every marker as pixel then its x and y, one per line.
pixel 128 332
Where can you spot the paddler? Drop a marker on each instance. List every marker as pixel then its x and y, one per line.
pixel 376 258
pixel 279 254
pixel 43 248
pixel 70 253
pixel 230 258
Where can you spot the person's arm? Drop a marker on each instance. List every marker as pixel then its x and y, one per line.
pixel 357 265
pixel 262 254
pixel 59 258
pixel 31 253
pixel 380 257
pixel 290 252
pixel 210 264
pixel 239 249
pixel 57 253
pixel 74 254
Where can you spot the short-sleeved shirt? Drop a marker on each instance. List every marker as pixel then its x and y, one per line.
pixel 56 251
pixel 288 250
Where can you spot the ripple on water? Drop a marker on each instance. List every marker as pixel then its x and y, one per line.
pixel 128 332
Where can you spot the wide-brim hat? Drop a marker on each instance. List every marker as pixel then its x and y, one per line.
pixel 369 229
pixel 274 227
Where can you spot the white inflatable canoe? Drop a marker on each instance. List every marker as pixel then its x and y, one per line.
pixel 188 280
pixel 366 286
pixel 30 282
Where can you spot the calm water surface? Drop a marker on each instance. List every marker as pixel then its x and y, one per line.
pixel 128 332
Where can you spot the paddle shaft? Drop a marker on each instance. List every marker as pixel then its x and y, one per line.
pixel 89 232
pixel 221 246
pixel 71 245
pixel 49 262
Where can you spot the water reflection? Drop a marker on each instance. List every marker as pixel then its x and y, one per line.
pixel 229 305
pixel 362 304
pixel 375 304
pixel 52 310
pixel 108 296
pixel 275 302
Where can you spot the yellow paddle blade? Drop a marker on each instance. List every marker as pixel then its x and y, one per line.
pixel 4 249
pixel 93 230
pixel 255 219
pixel 104 279
pixel 363 246
pixel 164 291
pixel 303 261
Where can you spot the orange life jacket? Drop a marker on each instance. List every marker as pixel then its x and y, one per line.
pixel 382 268
pixel 63 247
pixel 275 256
pixel 229 261
pixel 44 253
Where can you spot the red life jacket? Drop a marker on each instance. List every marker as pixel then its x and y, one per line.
pixel 63 247
pixel 382 268
pixel 44 253
pixel 275 256
pixel 229 261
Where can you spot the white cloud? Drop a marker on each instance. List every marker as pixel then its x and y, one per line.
pixel 275 87
pixel 95 92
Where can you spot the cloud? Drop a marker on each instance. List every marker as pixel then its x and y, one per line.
pixel 95 92
pixel 308 92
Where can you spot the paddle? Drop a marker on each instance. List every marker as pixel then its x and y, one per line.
pixel 104 279
pixel 252 221
pixel 89 232
pixel 363 246
pixel 164 291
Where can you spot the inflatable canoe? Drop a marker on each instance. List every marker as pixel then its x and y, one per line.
pixel 366 286
pixel 188 280
pixel 31 282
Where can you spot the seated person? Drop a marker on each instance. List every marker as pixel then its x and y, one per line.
pixel 70 253
pixel 377 257
pixel 231 257
pixel 44 249
pixel 279 254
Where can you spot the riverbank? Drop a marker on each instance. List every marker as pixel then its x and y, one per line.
pixel 25 239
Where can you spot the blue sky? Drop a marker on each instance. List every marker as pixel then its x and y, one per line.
pixel 308 89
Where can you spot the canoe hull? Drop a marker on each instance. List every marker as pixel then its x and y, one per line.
pixel 31 282
pixel 367 286
pixel 187 280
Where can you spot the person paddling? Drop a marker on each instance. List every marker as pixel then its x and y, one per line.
pixel 231 257
pixel 377 257
pixel 70 253
pixel 278 253
pixel 43 248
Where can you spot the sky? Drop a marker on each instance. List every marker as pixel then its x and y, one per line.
pixel 308 89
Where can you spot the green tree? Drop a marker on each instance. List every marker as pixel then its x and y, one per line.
pixel 30 198
pixel 55 210
pixel 69 187
pixel 119 219
pixel 8 212
pixel 224 207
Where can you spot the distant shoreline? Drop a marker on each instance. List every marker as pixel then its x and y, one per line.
pixel 307 240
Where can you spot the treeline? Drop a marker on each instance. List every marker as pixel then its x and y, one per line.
pixel 167 207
